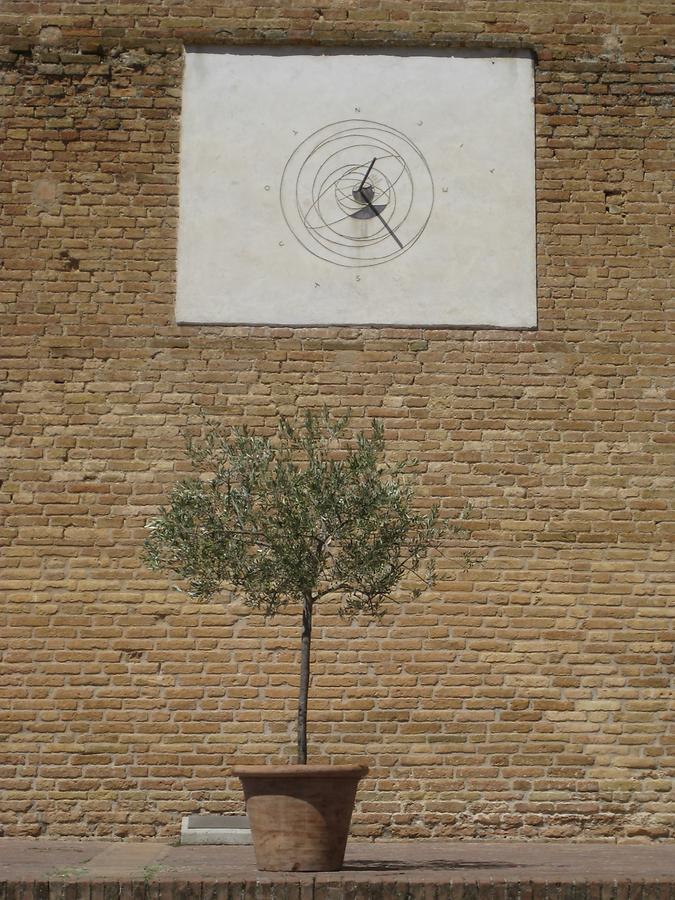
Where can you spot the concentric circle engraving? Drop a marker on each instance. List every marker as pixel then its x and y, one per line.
pixel 357 193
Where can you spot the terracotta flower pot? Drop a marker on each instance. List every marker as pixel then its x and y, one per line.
pixel 300 815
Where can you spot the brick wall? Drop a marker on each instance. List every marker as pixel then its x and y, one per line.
pixel 327 887
pixel 529 697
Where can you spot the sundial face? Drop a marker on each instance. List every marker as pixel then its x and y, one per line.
pixel 346 187
pixel 357 193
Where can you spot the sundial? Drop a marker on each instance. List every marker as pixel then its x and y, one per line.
pixel 357 188
pixel 357 193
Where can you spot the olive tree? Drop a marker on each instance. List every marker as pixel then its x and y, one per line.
pixel 306 514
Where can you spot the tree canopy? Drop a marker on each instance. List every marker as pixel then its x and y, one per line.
pixel 305 513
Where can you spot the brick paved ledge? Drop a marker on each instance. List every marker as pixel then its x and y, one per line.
pixel 416 870
pixel 334 890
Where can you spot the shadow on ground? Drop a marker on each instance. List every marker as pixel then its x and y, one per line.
pixel 398 865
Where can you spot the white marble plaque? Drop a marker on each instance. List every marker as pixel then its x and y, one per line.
pixel 357 188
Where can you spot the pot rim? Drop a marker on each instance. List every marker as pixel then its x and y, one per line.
pixel 297 770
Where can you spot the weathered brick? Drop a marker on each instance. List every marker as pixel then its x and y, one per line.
pixel 526 697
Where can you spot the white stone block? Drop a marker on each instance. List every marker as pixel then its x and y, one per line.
pixel 322 188
pixel 214 829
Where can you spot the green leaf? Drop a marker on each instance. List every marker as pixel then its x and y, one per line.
pixel 308 513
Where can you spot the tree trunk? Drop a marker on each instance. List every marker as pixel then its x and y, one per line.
pixel 304 679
